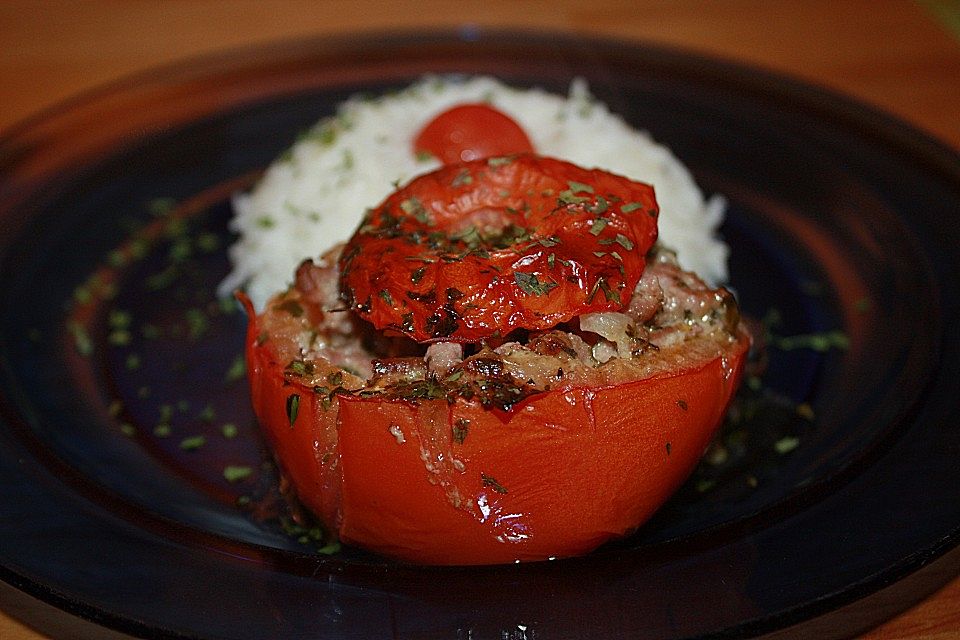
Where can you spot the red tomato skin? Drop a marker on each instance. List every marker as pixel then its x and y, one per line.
pixel 562 473
pixel 306 447
pixel 584 252
pixel 558 477
pixel 471 132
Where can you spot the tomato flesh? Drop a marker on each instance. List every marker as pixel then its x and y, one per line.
pixel 558 477
pixel 471 132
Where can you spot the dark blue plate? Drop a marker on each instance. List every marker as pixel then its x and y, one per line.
pixel 137 493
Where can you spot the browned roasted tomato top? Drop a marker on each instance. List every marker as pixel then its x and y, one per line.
pixel 476 250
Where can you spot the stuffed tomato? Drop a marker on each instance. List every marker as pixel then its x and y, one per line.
pixel 500 365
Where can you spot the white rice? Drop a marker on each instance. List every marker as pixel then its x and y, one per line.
pixel 315 194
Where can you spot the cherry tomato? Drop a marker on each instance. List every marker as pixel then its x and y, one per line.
pixel 475 250
pixel 471 132
pixel 440 482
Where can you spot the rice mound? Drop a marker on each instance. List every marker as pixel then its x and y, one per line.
pixel 314 195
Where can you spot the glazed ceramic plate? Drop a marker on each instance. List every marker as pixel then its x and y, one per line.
pixel 137 493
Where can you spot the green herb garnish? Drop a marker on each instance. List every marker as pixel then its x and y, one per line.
pixel 236 473
pixel 192 443
pixel 460 430
pixel 530 284
pixel 598 226
pixel 489 481
pixel 293 408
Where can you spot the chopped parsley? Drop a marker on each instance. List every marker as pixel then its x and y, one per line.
pixel 598 226
pixel 415 208
pixel 462 179
pixel 460 429
pixel 499 161
pixel 386 297
pixel 236 473
pixel 81 339
pixel 292 408
pixel 568 197
pixel 786 444
pixel 237 370
pixel 192 443
pixel 530 284
pixel 490 481
pixel 300 368
pixel 579 187
pixel 820 342
pixel 599 206
pixel 207 414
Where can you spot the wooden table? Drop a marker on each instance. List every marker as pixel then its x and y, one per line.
pixel 903 57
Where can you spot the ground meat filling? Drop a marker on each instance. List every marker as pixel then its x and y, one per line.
pixel 673 318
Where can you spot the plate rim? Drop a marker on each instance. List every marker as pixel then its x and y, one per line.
pixel 880 125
